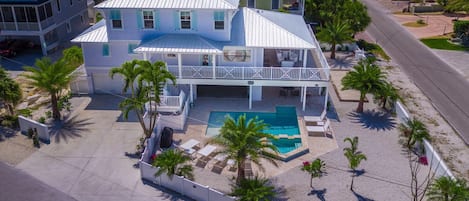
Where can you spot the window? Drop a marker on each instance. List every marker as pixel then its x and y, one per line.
pixel 116 19
pixel 42 13
pixel 148 20
pixel 131 48
pixel 31 14
pixel 7 14
pixel 20 14
pixel 69 28
pixel 71 2
pixel 49 10
pixel 185 19
pixel 275 4
pixel 58 5
pixel 106 52
pixel 219 19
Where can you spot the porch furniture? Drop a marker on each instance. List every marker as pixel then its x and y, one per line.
pixel 315 120
pixel 248 169
pixel 189 146
pixel 231 163
pixel 318 130
pixel 221 157
pixel 207 150
pixel 202 162
pixel 287 63
pixel 219 166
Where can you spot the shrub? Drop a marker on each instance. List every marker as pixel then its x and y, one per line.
pixel 49 114
pixel 461 27
pixel 362 44
pixel 10 121
pixel 30 133
pixel 64 102
pixel 42 120
pixel 420 21
pixel 25 112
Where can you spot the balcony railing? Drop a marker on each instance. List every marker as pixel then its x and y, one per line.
pixel 250 73
pixel 168 103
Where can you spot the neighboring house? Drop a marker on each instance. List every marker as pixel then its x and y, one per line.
pixel 290 6
pixel 204 43
pixel 44 22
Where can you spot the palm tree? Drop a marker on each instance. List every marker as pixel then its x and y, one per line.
pixel 447 189
pixel 255 189
pixel 315 169
pixel 353 156
pixel 73 56
pixel 242 139
pixel 413 132
pixel 52 78
pixel 365 77
pixel 135 103
pixel 458 5
pixel 387 92
pixel 129 71
pixel 173 162
pixel 334 33
pixel 10 91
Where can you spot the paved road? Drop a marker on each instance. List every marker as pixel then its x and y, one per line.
pixel 446 88
pixel 16 185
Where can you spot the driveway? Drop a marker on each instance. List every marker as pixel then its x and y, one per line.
pixel 87 160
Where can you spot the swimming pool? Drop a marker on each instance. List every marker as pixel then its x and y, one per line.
pixel 282 122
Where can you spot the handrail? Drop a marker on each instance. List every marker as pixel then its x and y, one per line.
pixel 322 58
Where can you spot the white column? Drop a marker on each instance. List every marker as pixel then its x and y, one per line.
pixel 250 96
pixel 301 94
pixel 304 98
pixel 43 45
pixel 325 98
pixel 214 56
pixel 191 91
pixel 145 56
pixel 305 57
pixel 180 66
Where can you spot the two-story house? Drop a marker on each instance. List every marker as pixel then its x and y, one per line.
pixel 204 43
pixel 44 22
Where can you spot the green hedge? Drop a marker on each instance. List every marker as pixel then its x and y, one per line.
pixel 461 27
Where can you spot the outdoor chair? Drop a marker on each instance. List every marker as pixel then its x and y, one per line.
pixel 315 130
pixel 248 169
pixel 202 162
pixel 218 167
pixel 315 120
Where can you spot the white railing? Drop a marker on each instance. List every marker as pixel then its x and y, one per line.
pixel 171 103
pixel 250 73
pixel 322 58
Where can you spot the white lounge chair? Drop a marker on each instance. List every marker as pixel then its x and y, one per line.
pixel 314 130
pixel 315 119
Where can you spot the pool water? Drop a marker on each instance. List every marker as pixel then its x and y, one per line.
pixel 282 122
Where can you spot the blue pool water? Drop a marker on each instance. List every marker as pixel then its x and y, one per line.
pixel 282 122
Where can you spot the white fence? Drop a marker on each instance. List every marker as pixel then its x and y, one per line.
pixel 178 184
pixel 172 103
pixel 81 83
pixel 41 129
pixel 434 160
pixel 178 121
pixel 250 73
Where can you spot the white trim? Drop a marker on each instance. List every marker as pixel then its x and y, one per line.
pixel 190 20
pixel 143 20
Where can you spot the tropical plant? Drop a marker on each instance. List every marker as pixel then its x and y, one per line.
pixel 387 92
pixel 254 189
pixel 335 33
pixel 136 103
pixel 129 72
pixel 10 92
pixel 316 169
pixel 365 77
pixel 245 140
pixel 414 132
pixel 458 5
pixel 52 77
pixel 73 56
pixel 447 189
pixel 353 156
pixel 173 162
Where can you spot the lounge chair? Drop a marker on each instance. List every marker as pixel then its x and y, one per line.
pixel 207 150
pixel 248 169
pixel 231 163
pixel 202 162
pixel 218 167
pixel 315 119
pixel 315 130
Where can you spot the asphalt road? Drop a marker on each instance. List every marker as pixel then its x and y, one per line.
pixel 445 87
pixel 15 185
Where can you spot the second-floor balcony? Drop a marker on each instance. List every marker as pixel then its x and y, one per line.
pixel 250 73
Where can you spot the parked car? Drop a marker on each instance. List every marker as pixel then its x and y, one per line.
pixel 15 47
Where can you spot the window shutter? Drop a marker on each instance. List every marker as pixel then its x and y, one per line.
pixel 156 19
pixel 105 49
pixel 139 19
pixel 194 20
pixel 115 15
pixel 177 20
pixel 131 48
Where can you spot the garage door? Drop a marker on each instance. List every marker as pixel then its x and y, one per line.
pixel 104 84
pixel 222 91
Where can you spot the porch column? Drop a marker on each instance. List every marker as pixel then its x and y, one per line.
pixel 191 91
pixel 180 66
pixel 43 45
pixel 214 59
pixel 250 96
pixel 304 98
pixel 145 56
pixel 301 94
pixel 305 57
pixel 326 96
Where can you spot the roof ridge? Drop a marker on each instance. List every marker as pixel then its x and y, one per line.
pixel 275 24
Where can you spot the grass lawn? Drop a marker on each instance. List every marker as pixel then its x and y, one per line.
pixel 414 24
pixel 442 44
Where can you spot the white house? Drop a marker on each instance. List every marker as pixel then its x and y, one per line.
pixel 204 43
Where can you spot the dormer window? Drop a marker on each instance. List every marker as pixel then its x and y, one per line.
pixel 219 20
pixel 116 20
pixel 185 17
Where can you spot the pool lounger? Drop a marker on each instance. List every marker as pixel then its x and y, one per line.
pixel 313 130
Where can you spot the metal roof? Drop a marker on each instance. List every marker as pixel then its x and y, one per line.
pixel 269 29
pixel 180 43
pixel 95 34
pixel 171 4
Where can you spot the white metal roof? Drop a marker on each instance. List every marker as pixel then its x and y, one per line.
pixel 269 29
pixel 95 34
pixel 179 43
pixel 172 4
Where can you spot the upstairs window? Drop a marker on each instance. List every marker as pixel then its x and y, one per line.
pixel 148 19
pixel 185 17
pixel 58 5
pixel 219 19
pixel 71 2
pixel 116 20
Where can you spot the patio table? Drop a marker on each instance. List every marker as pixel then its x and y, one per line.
pixel 189 144
pixel 207 150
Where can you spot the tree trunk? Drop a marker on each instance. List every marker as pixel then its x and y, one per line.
pixel 385 100
pixel 11 109
pixel 360 103
pixel 241 172
pixel 333 51
pixel 55 107
pixel 351 185
pixel 311 182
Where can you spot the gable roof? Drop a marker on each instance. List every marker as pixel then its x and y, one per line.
pixel 95 34
pixel 179 43
pixel 171 4
pixel 269 29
